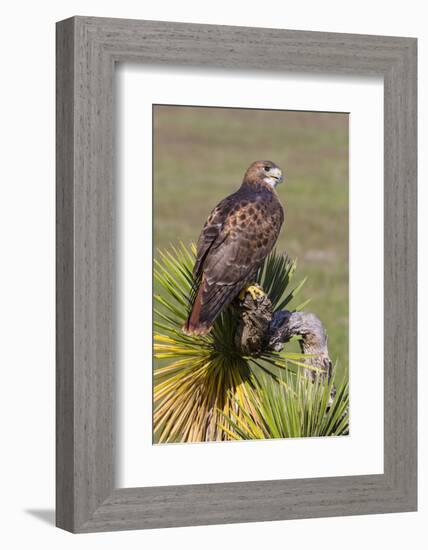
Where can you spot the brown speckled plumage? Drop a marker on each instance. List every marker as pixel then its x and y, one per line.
pixel 236 238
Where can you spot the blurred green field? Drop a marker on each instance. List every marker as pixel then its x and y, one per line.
pixel 200 156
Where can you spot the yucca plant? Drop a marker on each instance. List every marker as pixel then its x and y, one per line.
pixel 203 386
pixel 294 407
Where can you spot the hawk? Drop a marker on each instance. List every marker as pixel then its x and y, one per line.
pixel 236 238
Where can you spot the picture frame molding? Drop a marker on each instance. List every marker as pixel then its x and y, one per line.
pixel 87 50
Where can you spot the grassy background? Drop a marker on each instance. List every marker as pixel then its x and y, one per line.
pixel 200 156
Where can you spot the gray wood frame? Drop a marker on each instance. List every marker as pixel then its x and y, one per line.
pixel 87 50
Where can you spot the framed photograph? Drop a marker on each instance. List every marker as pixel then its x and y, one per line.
pixel 236 274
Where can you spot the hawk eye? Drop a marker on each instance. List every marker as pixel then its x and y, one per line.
pixel 267 168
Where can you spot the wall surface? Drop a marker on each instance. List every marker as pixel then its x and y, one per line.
pixel 27 274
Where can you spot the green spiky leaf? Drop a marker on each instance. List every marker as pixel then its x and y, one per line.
pixel 204 389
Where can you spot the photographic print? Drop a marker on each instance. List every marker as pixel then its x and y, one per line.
pixel 250 274
pixel 173 410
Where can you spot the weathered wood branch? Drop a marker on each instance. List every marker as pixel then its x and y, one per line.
pixel 260 330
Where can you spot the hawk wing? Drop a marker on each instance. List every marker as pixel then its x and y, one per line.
pixel 212 232
pixel 237 237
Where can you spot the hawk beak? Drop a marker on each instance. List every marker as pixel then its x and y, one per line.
pixel 276 174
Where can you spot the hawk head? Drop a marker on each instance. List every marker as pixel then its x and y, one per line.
pixel 263 171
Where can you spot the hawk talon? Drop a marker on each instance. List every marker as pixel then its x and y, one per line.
pixel 254 290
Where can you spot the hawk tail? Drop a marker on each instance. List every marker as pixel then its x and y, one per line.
pixel 194 326
pixel 209 301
